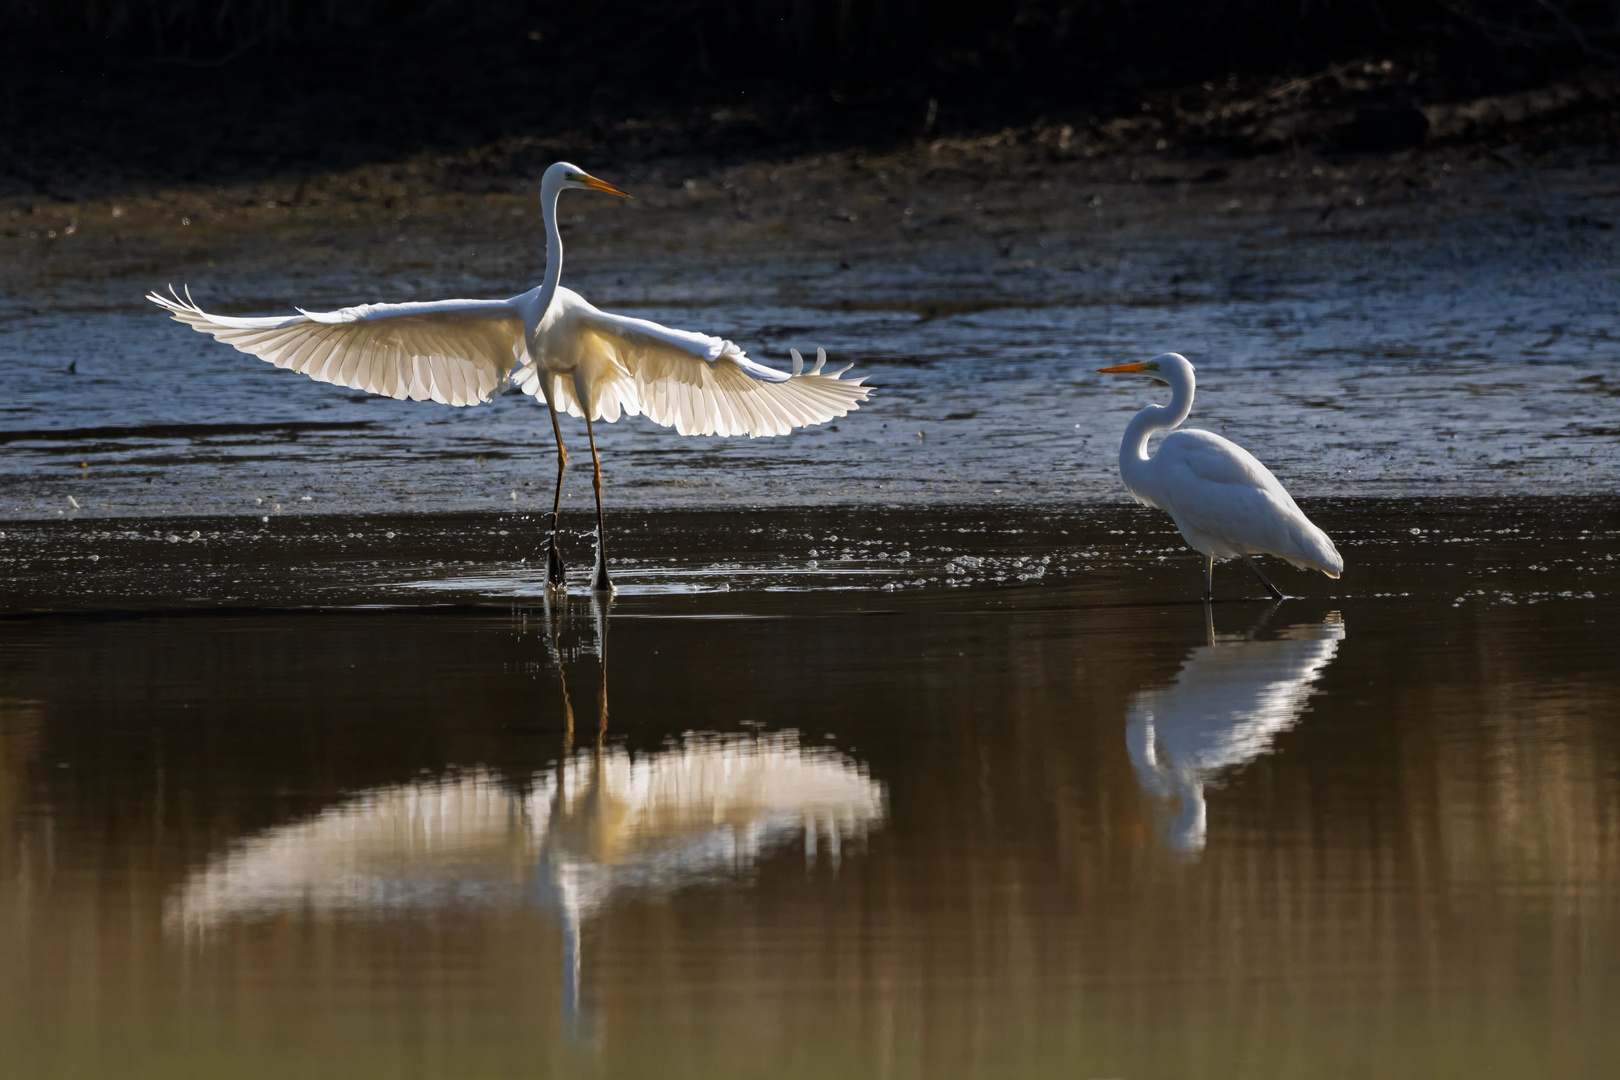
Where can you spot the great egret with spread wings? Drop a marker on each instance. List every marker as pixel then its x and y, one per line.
pixel 1226 504
pixel 554 345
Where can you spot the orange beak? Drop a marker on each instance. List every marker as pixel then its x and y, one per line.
pixel 1123 369
pixel 602 185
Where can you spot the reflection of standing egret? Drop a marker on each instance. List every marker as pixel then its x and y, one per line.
pixel 1231 698
pixel 600 823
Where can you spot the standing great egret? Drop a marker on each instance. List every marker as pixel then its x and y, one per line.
pixel 556 346
pixel 1226 504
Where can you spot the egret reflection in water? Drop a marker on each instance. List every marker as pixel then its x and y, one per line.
pixel 600 823
pixel 1230 699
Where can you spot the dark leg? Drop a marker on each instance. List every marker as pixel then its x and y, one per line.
pixel 1209 578
pixel 600 582
pixel 555 574
pixel 1276 593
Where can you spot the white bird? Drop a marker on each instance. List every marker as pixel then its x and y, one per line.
pixel 1225 707
pixel 1226 504
pixel 555 346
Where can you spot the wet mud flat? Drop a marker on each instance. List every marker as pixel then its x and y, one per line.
pixel 1491 550
pixel 298 798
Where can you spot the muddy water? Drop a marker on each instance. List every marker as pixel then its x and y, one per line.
pixel 969 796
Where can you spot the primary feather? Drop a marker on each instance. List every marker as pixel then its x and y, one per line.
pixel 458 352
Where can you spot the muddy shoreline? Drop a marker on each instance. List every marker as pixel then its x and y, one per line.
pixel 1493 549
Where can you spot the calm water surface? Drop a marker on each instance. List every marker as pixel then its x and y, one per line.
pixel 1072 826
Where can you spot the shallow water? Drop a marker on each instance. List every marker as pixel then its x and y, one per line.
pixel 971 825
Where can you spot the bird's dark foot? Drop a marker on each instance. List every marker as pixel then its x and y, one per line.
pixel 556 576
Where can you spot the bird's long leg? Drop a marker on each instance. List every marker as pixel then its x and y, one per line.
pixel 1276 593
pixel 1209 578
pixel 555 574
pixel 1209 623
pixel 600 582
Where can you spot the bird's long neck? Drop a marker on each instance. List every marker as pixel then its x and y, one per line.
pixel 548 285
pixel 1133 455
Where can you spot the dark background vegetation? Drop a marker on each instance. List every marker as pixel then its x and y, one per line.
pixel 134 90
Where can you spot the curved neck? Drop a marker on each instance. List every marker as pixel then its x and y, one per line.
pixel 548 207
pixel 1133 448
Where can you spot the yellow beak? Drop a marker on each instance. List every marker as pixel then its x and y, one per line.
pixel 602 185
pixel 1123 369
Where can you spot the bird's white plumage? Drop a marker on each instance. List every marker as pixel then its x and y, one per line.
pixel 551 341
pixel 584 359
pixel 556 346
pixel 1228 504
pixel 457 352
pixel 1225 502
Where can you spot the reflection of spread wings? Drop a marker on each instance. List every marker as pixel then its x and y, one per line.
pixel 698 384
pixel 459 352
pixel 596 823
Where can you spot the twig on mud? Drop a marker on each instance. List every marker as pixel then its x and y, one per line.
pixel 1332 71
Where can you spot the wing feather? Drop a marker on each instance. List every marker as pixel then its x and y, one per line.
pixel 698 384
pixel 1220 490
pixel 455 351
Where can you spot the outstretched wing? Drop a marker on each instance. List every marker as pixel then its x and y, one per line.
pixel 459 352
pixel 698 384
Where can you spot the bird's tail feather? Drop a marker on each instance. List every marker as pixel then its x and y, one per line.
pixel 1314 550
